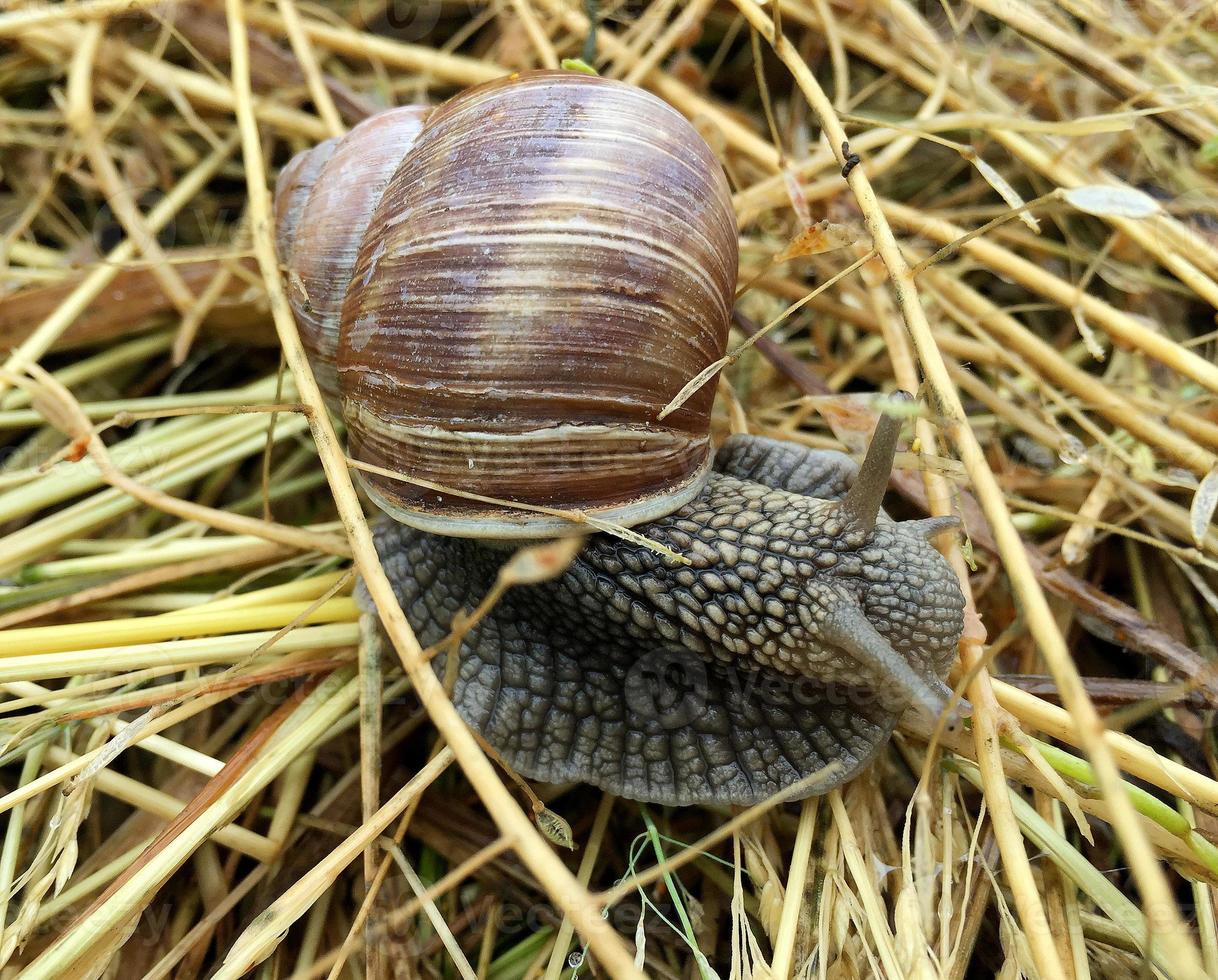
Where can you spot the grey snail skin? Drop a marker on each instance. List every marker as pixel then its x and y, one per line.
pixel 504 313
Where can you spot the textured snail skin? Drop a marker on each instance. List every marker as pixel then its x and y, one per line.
pixel 502 298
pixel 722 682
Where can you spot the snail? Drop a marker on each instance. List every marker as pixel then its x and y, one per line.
pixel 548 263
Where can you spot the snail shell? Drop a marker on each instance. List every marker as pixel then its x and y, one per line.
pixel 324 199
pixel 548 265
pixel 292 191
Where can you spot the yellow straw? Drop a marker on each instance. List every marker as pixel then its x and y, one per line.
pixel 150 629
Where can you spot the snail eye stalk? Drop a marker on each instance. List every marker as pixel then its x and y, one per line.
pixel 861 505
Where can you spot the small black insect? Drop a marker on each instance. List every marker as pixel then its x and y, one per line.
pixel 852 159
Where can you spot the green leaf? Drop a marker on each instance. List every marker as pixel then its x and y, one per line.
pixel 1208 154
pixel 578 64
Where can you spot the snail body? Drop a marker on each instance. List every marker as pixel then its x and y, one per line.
pixel 550 261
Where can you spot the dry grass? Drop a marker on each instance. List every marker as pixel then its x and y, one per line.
pixel 206 768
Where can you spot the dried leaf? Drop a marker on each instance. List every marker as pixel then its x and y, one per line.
pixel 1005 191
pixel 1095 346
pixel 540 562
pixel 1115 122
pixel 974 628
pixel 556 829
pixel 824 236
pixel 1201 513
pixel 799 201
pixel 853 417
pixel 1111 202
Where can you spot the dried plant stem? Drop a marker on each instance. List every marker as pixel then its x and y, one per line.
pixel 303 49
pixel 14 830
pixel 1164 237
pixel 259 940
pixel 43 535
pixel 587 864
pixel 153 454
pixel 82 120
pixel 1152 883
pixel 1135 757
pixel 793 898
pixel 450 68
pixel 41 340
pixel 371 694
pixel 208 93
pixel 456 954
pixel 985 709
pixel 694 12
pixel 81 890
pixel 161 804
pixel 144 580
pixel 186 623
pixel 966 304
pixel 561 885
pixel 184 653
pixel 16 22
pixel 113 358
pixel 537 34
pixel 738 136
pixel 639 34
pixel 294 726
pixel 1095 64
pixel 1064 902
pixel 147 736
pixel 125 410
pixel 207 924
pixel 1118 907
pixel 874 919
pixel 188 329
pixel 222 520
pixel 634 882
pixel 132 555
pixel 952 344
pixel 182 755
pixel 1120 325
pixel 1076 344
pixel 773 192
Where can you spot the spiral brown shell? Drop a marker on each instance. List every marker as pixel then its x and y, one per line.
pixel 324 199
pixel 553 259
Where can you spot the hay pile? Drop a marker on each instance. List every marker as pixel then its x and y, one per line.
pixel 196 778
